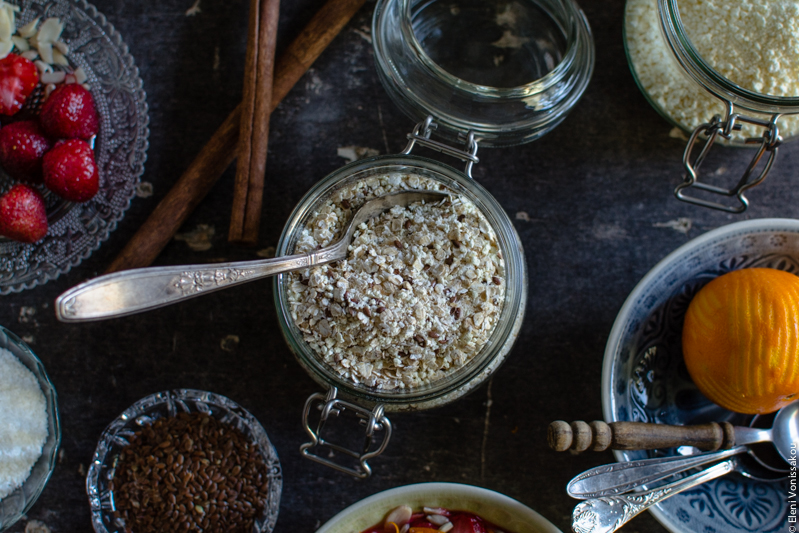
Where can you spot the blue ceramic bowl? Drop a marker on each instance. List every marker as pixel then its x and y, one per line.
pixel 645 379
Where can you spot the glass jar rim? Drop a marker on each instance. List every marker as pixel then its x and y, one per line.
pixel 515 295
pixel 521 91
pixel 498 116
pixel 695 65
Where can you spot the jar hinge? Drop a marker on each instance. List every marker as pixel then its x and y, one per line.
pixel 328 405
pixel 769 142
pixel 421 134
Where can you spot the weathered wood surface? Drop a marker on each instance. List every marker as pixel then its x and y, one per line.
pixel 592 202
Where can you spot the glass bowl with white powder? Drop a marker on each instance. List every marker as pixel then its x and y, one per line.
pixel 695 60
pixel 30 432
pixel 426 307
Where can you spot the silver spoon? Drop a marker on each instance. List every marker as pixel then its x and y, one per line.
pixel 133 291
pixel 609 513
pixel 622 477
pixel 618 478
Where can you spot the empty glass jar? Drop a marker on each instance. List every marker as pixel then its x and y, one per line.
pixel 507 70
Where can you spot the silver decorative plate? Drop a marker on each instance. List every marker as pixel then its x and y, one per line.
pixel 76 230
pixel 169 403
pixel 645 379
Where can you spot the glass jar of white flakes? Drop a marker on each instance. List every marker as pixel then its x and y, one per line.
pixel 719 71
pixel 424 309
pixel 509 70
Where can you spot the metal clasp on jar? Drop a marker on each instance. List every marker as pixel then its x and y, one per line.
pixel 421 134
pixel 329 406
pixel 769 142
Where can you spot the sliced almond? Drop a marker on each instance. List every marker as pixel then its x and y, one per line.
pixel 400 516
pixel 46 51
pixel 21 44
pixel 437 519
pixel 80 75
pixel 59 58
pixel 28 30
pixel 50 30
pixel 42 66
pixel 53 77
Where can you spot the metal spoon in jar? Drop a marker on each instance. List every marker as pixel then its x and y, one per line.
pixel 133 291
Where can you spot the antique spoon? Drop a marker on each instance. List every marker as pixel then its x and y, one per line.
pixel 609 513
pixel 618 478
pixel 133 291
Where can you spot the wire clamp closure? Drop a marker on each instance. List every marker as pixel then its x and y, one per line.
pixel 421 134
pixel 769 143
pixel 329 406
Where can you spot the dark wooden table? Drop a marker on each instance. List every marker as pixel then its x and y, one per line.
pixel 597 193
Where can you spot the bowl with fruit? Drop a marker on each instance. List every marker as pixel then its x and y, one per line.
pixel 433 507
pixel 711 333
pixel 73 137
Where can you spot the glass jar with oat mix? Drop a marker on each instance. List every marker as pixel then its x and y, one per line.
pixel 431 298
pixel 721 72
pixel 424 309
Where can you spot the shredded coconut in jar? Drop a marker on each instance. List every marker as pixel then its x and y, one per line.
pixel 753 43
pixel 23 422
pixel 418 296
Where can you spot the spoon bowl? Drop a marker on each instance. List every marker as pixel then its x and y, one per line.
pixel 134 291
pixel 785 431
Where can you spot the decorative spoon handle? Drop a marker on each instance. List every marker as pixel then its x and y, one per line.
pixel 617 478
pixel 133 291
pixel 607 514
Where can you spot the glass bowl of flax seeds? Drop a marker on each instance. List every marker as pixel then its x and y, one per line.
pixel 184 460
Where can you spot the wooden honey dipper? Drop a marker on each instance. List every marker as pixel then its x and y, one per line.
pixel 598 436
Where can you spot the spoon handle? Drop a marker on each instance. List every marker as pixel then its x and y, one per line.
pixel 599 436
pixel 133 291
pixel 617 478
pixel 609 513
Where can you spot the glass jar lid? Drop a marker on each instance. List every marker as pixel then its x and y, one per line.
pixel 507 70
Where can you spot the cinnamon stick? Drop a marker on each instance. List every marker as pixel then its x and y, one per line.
pixel 248 192
pixel 220 150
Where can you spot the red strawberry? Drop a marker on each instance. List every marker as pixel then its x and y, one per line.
pixel 22 214
pixel 18 78
pixel 22 145
pixel 70 170
pixel 69 113
pixel 467 523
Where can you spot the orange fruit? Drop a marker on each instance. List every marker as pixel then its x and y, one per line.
pixel 741 340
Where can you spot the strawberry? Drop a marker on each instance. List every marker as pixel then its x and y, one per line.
pixel 467 523
pixel 22 214
pixel 70 170
pixel 18 79
pixel 22 146
pixel 69 113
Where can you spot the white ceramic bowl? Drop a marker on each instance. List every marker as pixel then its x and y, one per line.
pixel 505 512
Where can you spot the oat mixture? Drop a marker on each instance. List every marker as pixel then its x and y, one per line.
pixel 754 43
pixel 418 296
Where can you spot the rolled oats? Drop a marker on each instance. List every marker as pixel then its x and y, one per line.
pixel 418 296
